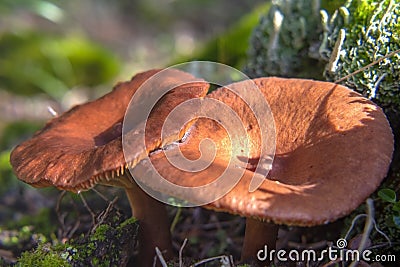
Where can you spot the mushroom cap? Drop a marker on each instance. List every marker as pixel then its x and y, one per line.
pixel 83 146
pixel 333 148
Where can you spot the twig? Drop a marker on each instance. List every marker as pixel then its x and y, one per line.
pixel 160 257
pixel 316 245
pixel 331 262
pixel 74 228
pixel 367 228
pixel 376 85
pixel 51 110
pixel 181 252
pixel 101 195
pixel 104 214
pixel 353 222
pixel 232 263
pixel 375 226
pixel 368 66
pixel 59 217
pixel 88 208
pixel 176 219
pixel 382 234
pixel 65 233
pixel 223 257
pixel 382 245
pixel 369 223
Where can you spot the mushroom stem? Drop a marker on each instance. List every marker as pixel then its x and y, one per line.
pixel 154 225
pixel 258 234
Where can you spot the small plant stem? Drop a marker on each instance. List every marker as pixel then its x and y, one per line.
pixel 176 219
pixel 161 258
pixel 181 252
pixel 88 208
pixel 369 224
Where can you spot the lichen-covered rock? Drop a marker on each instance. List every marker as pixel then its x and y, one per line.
pixel 286 41
pixel 357 34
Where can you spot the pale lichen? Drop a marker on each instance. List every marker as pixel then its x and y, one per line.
pixel 285 43
pixel 358 34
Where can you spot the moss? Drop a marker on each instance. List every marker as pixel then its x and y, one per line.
pixel 127 223
pixel 44 256
pixel 108 244
pixel 285 42
pixel 100 233
pixel 371 30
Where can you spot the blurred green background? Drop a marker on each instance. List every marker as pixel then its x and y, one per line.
pixel 61 53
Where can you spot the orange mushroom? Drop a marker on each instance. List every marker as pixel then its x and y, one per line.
pixel 83 147
pixel 333 148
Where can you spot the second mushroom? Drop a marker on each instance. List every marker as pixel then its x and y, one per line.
pixel 333 148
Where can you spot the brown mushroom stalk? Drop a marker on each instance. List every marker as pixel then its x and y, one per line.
pixel 83 147
pixel 152 216
pixel 154 224
pixel 258 234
